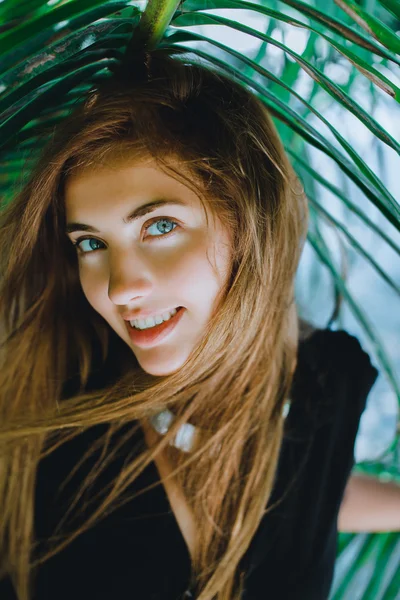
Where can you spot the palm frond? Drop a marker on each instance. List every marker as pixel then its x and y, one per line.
pixel 53 52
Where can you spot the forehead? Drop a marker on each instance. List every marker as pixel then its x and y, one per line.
pixel 112 169
pixel 140 178
pixel 143 171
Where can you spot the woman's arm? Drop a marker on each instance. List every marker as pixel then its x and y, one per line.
pixel 369 505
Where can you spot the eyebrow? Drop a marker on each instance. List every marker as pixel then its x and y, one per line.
pixel 140 211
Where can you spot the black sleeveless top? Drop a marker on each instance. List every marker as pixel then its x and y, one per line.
pixel 138 552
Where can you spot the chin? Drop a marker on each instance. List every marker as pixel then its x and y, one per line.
pixel 159 372
pixel 158 369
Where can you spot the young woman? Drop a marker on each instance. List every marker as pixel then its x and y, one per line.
pixel 171 429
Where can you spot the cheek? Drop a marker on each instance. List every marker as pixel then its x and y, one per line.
pixel 92 288
pixel 198 273
pixel 223 260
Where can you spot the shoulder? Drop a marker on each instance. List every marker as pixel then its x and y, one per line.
pixel 334 350
pixel 334 376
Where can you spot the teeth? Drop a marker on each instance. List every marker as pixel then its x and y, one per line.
pixel 153 321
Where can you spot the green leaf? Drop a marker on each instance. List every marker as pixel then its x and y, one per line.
pixel 375 76
pixel 394 7
pixel 371 24
pixel 17 45
pixel 23 79
pixel 356 158
pixel 56 17
pixel 354 243
pixel 327 84
pixel 52 94
pixel 328 22
pixel 363 556
pixel 317 177
pixel 385 202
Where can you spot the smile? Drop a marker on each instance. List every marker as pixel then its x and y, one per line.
pixel 145 338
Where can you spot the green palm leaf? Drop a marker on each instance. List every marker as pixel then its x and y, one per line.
pixel 372 25
pixel 275 105
pixel 363 66
pixel 51 53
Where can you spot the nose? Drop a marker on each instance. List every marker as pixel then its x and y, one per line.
pixel 130 278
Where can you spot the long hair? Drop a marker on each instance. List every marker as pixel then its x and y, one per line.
pixel 235 382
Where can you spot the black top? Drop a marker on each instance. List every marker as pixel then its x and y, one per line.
pixel 138 552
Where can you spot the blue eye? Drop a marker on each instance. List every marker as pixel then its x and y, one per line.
pixel 164 234
pixel 163 220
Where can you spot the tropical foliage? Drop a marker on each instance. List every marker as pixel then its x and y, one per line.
pixel 53 52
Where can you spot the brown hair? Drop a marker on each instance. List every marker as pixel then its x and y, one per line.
pixel 238 378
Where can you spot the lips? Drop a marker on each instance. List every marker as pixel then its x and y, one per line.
pixel 144 338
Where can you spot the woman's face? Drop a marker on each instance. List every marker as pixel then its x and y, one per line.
pixel 158 261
